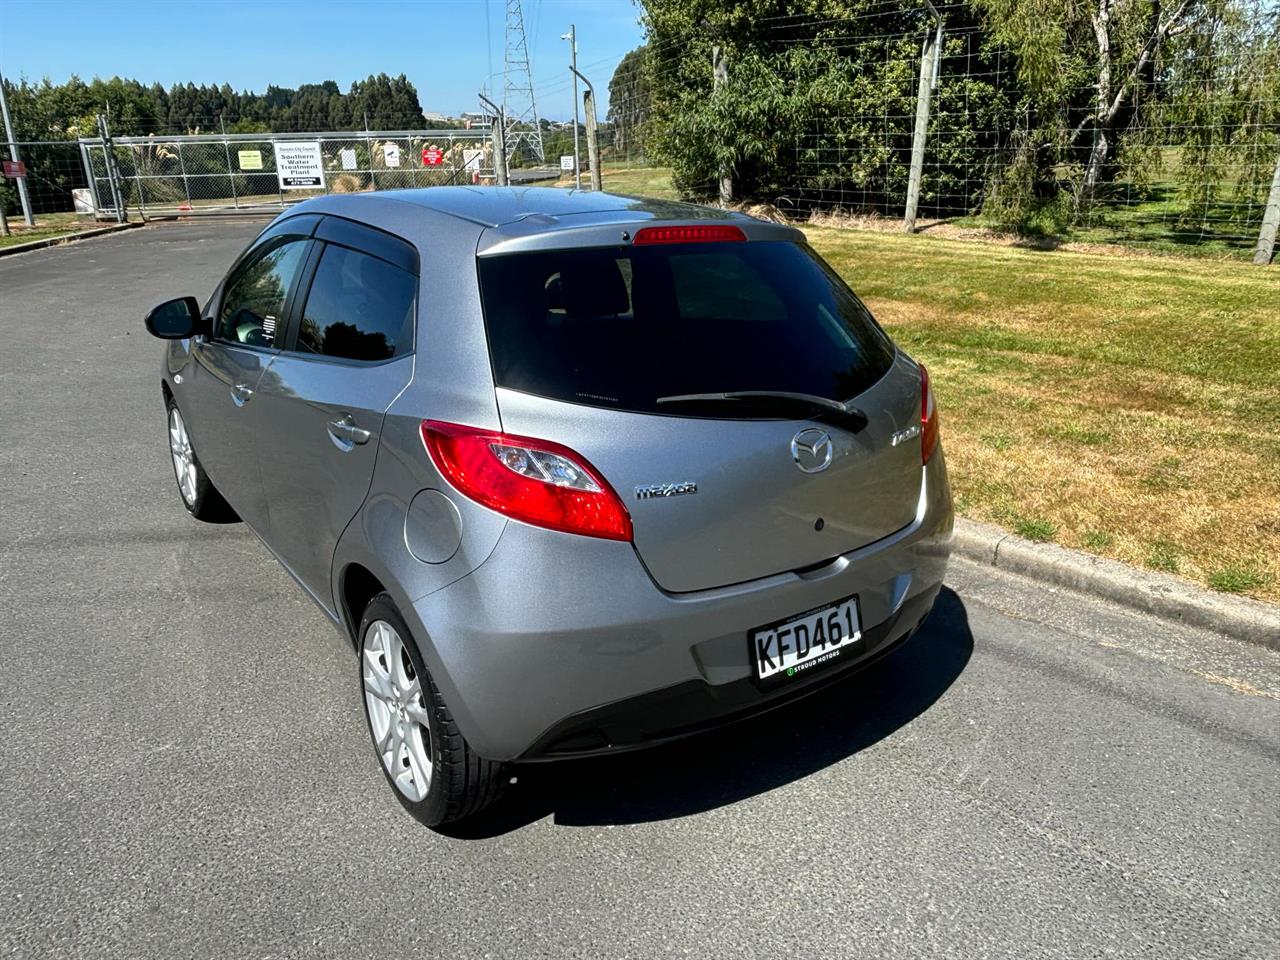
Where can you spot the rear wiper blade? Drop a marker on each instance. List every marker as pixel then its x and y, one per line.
pixel 844 409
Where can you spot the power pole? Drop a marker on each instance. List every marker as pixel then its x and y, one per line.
pixel 1270 222
pixel 572 37
pixel 518 106
pixel 930 59
pixel 719 77
pixel 13 155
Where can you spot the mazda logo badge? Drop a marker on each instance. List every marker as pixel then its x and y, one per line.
pixel 811 449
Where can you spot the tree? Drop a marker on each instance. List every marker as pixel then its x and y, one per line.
pixel 811 85
pixel 629 101
pixel 1087 69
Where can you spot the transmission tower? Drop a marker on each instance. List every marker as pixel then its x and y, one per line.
pixel 524 132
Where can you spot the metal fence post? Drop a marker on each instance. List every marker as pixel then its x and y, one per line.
pixel 113 175
pixel 929 60
pixel 1270 222
pixel 231 173
pixel 499 136
pixel 368 145
pixel 186 186
pixel 137 175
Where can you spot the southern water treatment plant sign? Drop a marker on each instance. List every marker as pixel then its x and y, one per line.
pixel 299 165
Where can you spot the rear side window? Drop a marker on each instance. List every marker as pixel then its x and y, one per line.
pixel 622 327
pixel 359 307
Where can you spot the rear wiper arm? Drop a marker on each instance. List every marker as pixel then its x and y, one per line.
pixel 844 408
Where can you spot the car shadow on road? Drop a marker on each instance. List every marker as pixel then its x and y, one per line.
pixel 729 764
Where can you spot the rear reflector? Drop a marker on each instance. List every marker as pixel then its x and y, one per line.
pixel 928 417
pixel 536 481
pixel 703 233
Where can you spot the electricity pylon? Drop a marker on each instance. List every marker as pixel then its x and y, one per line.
pixel 524 132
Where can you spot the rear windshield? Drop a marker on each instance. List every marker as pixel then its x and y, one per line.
pixel 622 327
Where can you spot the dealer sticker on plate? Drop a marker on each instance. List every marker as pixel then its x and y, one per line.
pixel 800 643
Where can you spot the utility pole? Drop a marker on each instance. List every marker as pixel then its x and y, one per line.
pixel 13 155
pixel 593 143
pixel 719 77
pixel 1270 222
pixel 499 141
pixel 572 37
pixel 930 59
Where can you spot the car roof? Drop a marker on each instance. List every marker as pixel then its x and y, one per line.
pixel 496 206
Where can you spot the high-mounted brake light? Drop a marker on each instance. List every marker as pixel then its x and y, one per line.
pixel 536 481
pixel 928 417
pixel 699 233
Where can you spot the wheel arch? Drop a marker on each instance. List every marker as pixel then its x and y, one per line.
pixel 357 585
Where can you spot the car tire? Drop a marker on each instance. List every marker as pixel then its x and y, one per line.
pixel 198 494
pixel 433 771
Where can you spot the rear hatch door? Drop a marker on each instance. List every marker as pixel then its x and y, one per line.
pixel 588 344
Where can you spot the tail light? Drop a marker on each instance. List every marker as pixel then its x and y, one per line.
pixel 536 481
pixel 928 417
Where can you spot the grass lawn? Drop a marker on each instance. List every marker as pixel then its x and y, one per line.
pixel 47 225
pixel 1129 406
pixel 639 181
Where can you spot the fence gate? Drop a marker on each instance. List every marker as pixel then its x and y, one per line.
pixel 212 173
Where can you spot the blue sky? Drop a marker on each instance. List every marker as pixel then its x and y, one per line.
pixel 443 46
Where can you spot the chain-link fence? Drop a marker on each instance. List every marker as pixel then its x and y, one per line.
pixel 56 178
pixel 215 173
pixel 816 116
pixel 148 176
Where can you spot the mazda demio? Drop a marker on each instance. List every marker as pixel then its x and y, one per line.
pixel 576 473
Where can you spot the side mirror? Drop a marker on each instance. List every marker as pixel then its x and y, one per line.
pixel 175 319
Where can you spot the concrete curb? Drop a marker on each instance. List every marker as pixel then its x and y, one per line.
pixel 65 238
pixel 1158 594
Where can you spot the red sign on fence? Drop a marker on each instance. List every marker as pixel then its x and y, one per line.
pixel 432 157
pixel 13 169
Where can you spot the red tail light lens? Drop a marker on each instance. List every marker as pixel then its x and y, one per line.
pixel 703 233
pixel 928 417
pixel 536 481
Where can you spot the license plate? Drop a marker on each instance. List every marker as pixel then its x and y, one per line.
pixel 794 646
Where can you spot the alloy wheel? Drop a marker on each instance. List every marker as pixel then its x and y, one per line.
pixel 397 710
pixel 184 458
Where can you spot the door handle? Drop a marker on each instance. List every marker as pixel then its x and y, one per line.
pixel 345 431
pixel 241 393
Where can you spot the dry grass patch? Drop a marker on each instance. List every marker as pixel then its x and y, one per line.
pixel 1127 407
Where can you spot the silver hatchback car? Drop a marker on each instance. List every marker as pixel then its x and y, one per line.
pixel 576 473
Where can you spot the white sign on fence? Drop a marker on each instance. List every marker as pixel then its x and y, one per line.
pixel 299 165
pixel 471 160
pixel 566 162
pixel 250 159
pixel 348 155
pixel 391 154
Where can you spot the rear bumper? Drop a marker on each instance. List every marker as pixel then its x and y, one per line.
pixel 561 645
pixel 695 705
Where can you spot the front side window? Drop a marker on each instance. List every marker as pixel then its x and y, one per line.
pixel 253 306
pixel 359 308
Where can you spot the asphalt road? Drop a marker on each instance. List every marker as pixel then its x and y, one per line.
pixel 185 771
